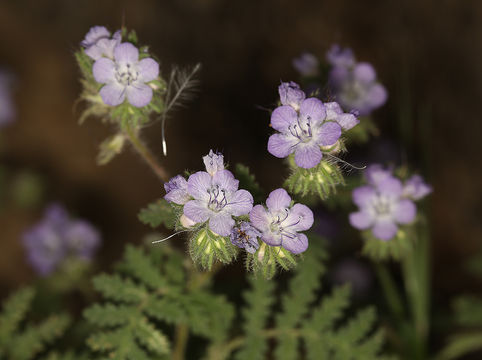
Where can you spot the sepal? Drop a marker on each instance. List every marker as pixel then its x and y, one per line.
pixel 267 259
pixel 206 247
pixel 396 248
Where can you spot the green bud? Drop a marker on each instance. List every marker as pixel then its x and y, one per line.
pixel 205 247
pixel 268 258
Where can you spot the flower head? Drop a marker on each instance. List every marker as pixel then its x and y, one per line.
pixel 338 56
pixel 7 108
pixel 302 132
pixel 176 190
pixel 376 173
pixel 281 223
pixel 306 64
pixel 126 75
pixel 98 43
pixel 335 113
pixel 213 162
pixel 245 236
pixel 415 188
pixel 55 237
pixel 291 94
pixel 216 199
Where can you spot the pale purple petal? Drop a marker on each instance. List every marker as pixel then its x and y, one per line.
pixel 308 156
pixel 282 117
pixel 333 109
pixel 271 239
pixel 338 77
pixel 375 173
pixel 240 203
pixel 363 195
pixel 198 185
pixel 291 94
pixel 306 64
pixel 221 223
pixel 300 218
pixel 104 70
pixel 126 53
pixel 104 47
pixel 390 186
pixel 148 69
pixel 95 34
pixel 347 121
pixel 384 230
pixel 361 220
pixel 296 245
pixel 117 36
pixel 278 200
pixel 259 218
pixel 113 94
pixel 364 72
pixel 197 211
pixel 415 188
pixel 178 196
pixel 313 109
pixel 82 239
pixel 329 133
pixel 405 211
pixel 225 179
pixel 139 94
pixel 340 57
pixel 281 145
pixel 376 96
pixel 213 162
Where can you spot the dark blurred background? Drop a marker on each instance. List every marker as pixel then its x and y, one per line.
pixel 427 53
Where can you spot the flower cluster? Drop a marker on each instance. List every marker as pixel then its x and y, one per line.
pixel 385 202
pixel 354 83
pixel 117 65
pixel 57 237
pixel 7 109
pixel 306 127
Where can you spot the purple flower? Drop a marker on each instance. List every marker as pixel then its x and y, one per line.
pixel 290 94
pixel 376 173
pixel 356 88
pixel 415 188
pixel 245 236
pixel 55 237
pixel 302 132
pixel 338 56
pixel 126 76
pixel 213 162
pixel 217 199
pixel 176 190
pixel 7 108
pixel 280 223
pixel 306 64
pixel 97 42
pixel 382 208
pixel 335 113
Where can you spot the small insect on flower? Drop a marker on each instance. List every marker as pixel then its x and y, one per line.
pixel 245 236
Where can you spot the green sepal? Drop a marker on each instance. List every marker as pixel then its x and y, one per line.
pixel 109 148
pixel 381 250
pixel 267 259
pixel 320 180
pixel 206 247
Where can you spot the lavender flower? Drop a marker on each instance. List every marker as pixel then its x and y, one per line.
pixel 126 76
pixel 302 132
pixel 376 173
pixel 335 113
pixel 217 199
pixel 245 236
pixel 382 208
pixel 176 190
pixel 338 56
pixel 280 223
pixel 213 162
pixel 415 188
pixel 291 94
pixel 7 108
pixel 55 237
pixel 306 64
pixel 97 42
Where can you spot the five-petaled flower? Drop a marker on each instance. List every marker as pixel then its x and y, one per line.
pixel 245 236
pixel 216 199
pixel 126 75
pixel 98 43
pixel 280 223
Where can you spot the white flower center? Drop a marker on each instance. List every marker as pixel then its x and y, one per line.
pixel 217 198
pixel 126 73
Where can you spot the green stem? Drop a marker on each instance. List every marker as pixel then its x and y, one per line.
pixel 392 296
pixel 146 154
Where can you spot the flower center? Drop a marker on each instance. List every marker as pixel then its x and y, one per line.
pixel 279 226
pixel 126 74
pixel 302 129
pixel 382 206
pixel 217 198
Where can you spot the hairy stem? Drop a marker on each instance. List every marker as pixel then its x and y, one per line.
pixel 146 154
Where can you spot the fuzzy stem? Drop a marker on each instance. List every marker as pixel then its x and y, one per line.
pixel 146 154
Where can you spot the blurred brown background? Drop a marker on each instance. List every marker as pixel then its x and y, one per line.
pixel 427 53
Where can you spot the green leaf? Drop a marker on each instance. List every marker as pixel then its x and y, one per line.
pixel 14 310
pixel 248 182
pixel 159 213
pixel 115 288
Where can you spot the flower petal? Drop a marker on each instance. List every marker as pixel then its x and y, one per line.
pixel 405 211
pixel 197 211
pixel 221 223
pixel 361 220
pixel 296 245
pixel 178 196
pixel 148 69
pixel 308 156
pixel 95 34
pixel 347 121
pixel 259 218
pixel 314 109
pixel 384 230
pixel 282 117
pixel 281 145
pixel 126 52
pixel 364 72
pixel 278 200
pixel 376 96
pixel 104 70
pixel 329 133
pixel 198 185
pixel 271 239
pixel 240 203
pixel 299 219
pixel 390 186
pixel 363 195
pixel 333 109
pixel 113 94
pixel 139 94
pixel 225 179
